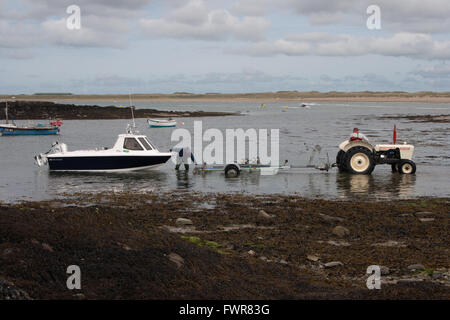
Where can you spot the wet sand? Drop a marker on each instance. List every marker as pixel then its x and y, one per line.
pixel 232 246
pixel 264 97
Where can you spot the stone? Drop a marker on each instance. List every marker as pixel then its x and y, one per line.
pixel 263 214
pixel 333 264
pixel 330 218
pixel 79 296
pixel 426 219
pixel 283 261
pixel 312 257
pixel 341 231
pixel 417 266
pixel 437 275
pixel 251 252
pixel 408 280
pixel 177 259
pixel 384 270
pixel 47 247
pixel 389 243
pixel 338 243
pixel 184 222
pixel 424 213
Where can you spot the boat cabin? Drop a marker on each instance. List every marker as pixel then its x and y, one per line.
pixel 133 142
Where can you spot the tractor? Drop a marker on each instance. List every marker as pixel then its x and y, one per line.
pixel 361 157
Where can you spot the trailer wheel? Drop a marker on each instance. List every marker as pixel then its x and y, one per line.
pixel 359 160
pixel 232 170
pixel 407 167
pixel 340 161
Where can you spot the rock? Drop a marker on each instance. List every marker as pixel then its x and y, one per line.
pixel 417 266
pixel 312 257
pixel 184 222
pixel 330 218
pixel 251 252
pixel 10 292
pixel 264 215
pixel 333 264
pixel 338 243
pixel 341 231
pixel 437 275
pixel 424 213
pixel 283 261
pixel 263 258
pixel 408 280
pixel 389 243
pixel 384 270
pixel 7 251
pixel 47 247
pixel 79 296
pixel 175 258
pixel 426 219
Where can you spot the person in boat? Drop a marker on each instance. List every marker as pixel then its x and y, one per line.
pixel 358 136
pixel 183 156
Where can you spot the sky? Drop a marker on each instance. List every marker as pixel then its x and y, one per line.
pixel 234 46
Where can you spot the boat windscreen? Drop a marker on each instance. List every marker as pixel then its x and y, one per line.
pixel 145 143
pixel 132 144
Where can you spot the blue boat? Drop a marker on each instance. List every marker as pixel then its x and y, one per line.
pixel 28 131
pixel 11 129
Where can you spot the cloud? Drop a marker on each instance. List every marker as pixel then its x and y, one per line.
pixel 413 45
pixel 440 71
pixel 196 21
pixel 415 16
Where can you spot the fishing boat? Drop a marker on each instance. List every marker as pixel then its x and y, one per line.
pixel 161 123
pixel 11 129
pixel 131 152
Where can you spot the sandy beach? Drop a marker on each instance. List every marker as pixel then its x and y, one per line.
pixel 397 96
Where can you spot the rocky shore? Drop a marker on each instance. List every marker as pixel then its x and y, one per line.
pixel 223 246
pixel 44 110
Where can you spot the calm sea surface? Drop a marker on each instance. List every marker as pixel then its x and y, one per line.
pixel 326 124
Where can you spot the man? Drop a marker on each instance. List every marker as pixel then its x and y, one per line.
pixel 358 136
pixel 183 155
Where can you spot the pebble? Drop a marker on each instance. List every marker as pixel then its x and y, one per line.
pixel 312 257
pixel 47 247
pixel 426 219
pixel 390 243
pixel 330 218
pixel 333 264
pixel 263 214
pixel 340 231
pixel 251 252
pixel 177 259
pixel 183 222
pixel 417 266
pixel 384 270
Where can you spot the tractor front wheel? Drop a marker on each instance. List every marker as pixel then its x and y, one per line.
pixel 407 167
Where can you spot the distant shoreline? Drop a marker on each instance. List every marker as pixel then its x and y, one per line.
pixel 425 97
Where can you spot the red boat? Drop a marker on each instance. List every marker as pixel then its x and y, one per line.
pixel 57 123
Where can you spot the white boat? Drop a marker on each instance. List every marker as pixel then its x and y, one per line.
pixel 131 152
pixel 161 123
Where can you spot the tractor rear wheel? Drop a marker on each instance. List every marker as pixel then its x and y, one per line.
pixel 359 160
pixel 340 161
pixel 407 167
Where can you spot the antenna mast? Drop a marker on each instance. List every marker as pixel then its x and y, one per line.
pixel 6 110
pixel 132 112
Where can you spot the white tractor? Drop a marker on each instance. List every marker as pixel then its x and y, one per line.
pixel 361 157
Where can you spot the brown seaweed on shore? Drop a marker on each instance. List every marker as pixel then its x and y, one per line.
pixel 233 246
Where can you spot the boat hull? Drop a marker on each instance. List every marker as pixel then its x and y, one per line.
pixel 28 131
pixel 105 163
pixel 162 126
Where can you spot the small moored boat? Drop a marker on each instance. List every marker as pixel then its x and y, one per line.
pixel 161 123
